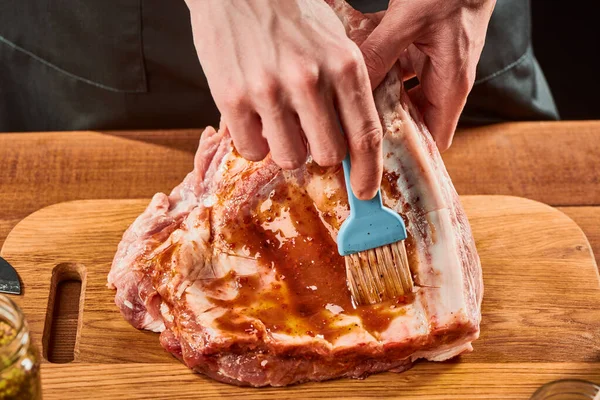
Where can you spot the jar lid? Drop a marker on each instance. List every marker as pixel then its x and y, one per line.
pixel 568 389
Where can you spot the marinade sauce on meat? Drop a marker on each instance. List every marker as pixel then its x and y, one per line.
pixel 238 267
pixel 311 277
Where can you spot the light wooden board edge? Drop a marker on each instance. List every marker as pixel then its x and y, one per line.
pixel 450 381
pixel 96 380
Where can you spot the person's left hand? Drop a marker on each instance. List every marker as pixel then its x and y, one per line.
pixel 439 41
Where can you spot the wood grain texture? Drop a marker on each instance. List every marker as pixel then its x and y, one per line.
pixel 65 303
pixel 541 311
pixel 448 381
pixel 61 341
pixel 588 219
pixel 40 169
pixel 553 162
pixel 557 163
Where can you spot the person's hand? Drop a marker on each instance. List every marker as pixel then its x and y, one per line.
pixel 279 71
pixel 438 40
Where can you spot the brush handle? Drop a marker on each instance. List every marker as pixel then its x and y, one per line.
pixel 360 208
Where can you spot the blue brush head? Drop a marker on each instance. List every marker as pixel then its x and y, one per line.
pixel 370 224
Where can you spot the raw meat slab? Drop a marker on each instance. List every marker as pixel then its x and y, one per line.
pixel 541 312
pixel 238 267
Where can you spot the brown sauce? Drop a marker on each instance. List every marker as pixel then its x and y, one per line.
pixel 389 184
pixel 166 257
pixel 311 275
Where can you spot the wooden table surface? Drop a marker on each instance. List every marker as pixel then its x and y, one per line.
pixel 557 163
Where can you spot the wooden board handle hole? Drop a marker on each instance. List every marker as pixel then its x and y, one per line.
pixel 64 313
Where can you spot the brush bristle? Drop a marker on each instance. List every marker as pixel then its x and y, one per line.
pixel 379 274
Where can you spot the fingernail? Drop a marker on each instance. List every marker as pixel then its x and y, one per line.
pixel 364 194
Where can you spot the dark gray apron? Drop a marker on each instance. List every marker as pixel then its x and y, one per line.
pixel 131 64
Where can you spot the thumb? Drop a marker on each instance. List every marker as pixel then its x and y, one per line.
pixel 384 46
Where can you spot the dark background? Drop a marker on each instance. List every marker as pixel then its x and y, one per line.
pixel 566 38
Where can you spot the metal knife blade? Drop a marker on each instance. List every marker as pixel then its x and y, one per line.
pixel 9 279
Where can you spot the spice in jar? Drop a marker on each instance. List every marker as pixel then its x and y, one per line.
pixel 19 363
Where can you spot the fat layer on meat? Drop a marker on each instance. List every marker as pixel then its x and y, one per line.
pixel 238 269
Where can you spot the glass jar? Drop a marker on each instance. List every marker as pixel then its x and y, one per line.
pixel 568 389
pixel 19 362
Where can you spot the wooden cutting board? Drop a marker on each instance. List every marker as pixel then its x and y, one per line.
pixel 541 312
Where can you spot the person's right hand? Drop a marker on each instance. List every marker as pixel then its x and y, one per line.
pixel 280 72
